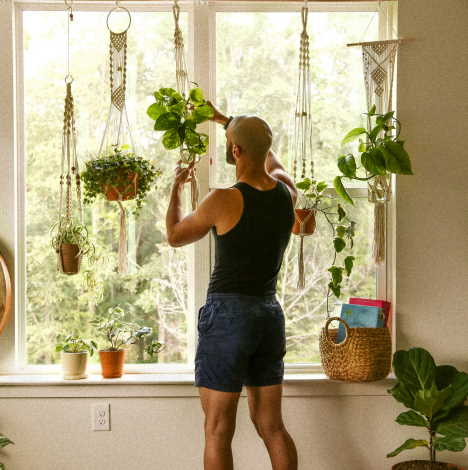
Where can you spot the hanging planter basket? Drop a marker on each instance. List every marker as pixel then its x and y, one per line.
pixel 365 355
pixel 426 465
pixel 304 222
pixel 125 190
pixel 379 189
pixel 69 257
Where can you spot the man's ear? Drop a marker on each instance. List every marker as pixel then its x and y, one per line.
pixel 236 151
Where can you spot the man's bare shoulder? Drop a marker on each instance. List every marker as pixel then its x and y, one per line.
pixel 221 198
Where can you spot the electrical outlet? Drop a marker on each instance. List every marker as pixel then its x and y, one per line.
pixel 100 416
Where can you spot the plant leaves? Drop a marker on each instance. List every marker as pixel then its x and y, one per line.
pixel 304 185
pixel 341 213
pixel 353 135
pixel 4 441
pixel 347 165
pixel 339 244
pixel 196 96
pixel 375 132
pixel 155 110
pixel 349 263
pixel 337 275
pixel 445 375
pixel 400 155
pixel 454 444
pixel 402 394
pixel 167 121
pixel 202 113
pixel 411 418
pixel 430 401
pixel 415 368
pixel 456 424
pixel 459 393
pixel 321 186
pixel 341 191
pixel 372 110
pixel 409 444
pixel 335 289
pixel 171 139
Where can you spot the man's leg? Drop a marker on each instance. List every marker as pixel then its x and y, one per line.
pixel 220 410
pixel 265 412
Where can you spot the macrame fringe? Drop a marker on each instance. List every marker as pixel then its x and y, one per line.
pixel 301 278
pixel 123 260
pixel 194 190
pixel 379 232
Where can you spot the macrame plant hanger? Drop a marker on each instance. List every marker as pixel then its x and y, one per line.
pixel 183 87
pixel 70 206
pixel 117 130
pixel 303 164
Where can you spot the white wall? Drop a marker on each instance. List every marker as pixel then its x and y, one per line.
pixel 338 431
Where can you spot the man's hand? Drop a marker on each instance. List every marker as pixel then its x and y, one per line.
pixel 218 116
pixel 184 175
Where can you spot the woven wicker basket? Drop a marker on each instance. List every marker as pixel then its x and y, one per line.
pixel 365 355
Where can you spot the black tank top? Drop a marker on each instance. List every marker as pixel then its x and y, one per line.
pixel 248 257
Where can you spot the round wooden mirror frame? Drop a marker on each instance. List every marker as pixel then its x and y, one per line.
pixel 6 310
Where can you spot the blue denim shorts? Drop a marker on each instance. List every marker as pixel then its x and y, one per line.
pixel 241 341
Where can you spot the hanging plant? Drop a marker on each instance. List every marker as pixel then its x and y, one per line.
pixel 71 243
pixel 178 118
pixel 119 175
pixel 381 155
pixel 313 200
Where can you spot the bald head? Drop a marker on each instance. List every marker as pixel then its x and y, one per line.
pixel 252 135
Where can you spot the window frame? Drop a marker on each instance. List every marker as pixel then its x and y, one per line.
pixel 201 43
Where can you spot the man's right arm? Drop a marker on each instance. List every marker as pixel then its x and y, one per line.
pixel 276 170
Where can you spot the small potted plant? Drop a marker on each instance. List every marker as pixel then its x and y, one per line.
pixel 312 200
pixel 4 441
pixel 119 334
pixel 71 242
pixel 381 155
pixel 435 396
pixel 75 351
pixel 118 175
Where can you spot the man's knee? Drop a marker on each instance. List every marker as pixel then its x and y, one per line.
pixel 268 428
pixel 219 428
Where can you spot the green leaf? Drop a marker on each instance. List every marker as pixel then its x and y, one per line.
pixel 171 139
pixel 321 186
pixel 454 444
pixel 4 441
pixel 335 289
pixel 362 146
pixel 459 392
pixel 415 368
pixel 167 121
pixel 196 96
pixel 404 163
pixel 339 244
pixel 155 110
pixel 430 401
pixel 341 231
pixel 456 424
pixel 177 108
pixel 341 191
pixel 353 135
pixel 304 185
pixel 375 132
pixel 388 116
pixel 372 110
pixel 337 274
pixel 202 113
pixel 341 213
pixel 445 375
pixel 409 444
pixel 411 418
pixel 347 165
pixel 349 263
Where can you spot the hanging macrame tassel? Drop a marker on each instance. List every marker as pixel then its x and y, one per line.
pixel 301 278
pixel 379 232
pixel 194 190
pixel 123 261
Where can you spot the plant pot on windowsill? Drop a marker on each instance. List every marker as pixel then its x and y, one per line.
pixel 425 465
pixel 112 363
pixel 69 258
pixel 304 222
pixel 126 188
pixel 74 365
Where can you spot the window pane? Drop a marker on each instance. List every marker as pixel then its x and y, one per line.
pixel 154 293
pixel 254 77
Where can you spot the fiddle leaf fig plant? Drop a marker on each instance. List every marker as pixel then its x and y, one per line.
pixel 435 396
pixel 4 441
pixel 178 116
pixel 381 152
pixel 342 228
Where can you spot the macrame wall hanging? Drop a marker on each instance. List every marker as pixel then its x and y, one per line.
pixel 117 132
pixel 70 213
pixel 183 87
pixel 379 58
pixel 303 164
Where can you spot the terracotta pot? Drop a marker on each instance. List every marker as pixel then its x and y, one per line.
pixel 306 215
pixel 112 363
pixel 74 365
pixel 126 191
pixel 69 258
pixel 425 465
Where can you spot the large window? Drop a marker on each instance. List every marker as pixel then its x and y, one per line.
pixel 252 57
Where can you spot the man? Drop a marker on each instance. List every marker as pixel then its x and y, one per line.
pixel 241 326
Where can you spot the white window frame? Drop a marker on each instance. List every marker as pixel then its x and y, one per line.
pixel 202 44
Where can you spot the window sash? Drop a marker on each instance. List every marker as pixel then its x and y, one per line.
pixel 202 45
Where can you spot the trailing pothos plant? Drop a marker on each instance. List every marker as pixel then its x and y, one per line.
pixel 71 232
pixel 342 229
pixel 120 333
pixel 178 116
pixel 381 151
pixel 4 441
pixel 75 344
pixel 435 396
pixel 112 169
